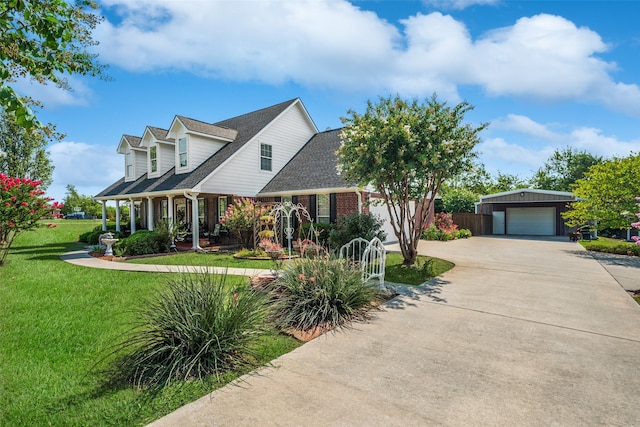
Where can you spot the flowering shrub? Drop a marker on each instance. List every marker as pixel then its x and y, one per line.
pixel 323 293
pixel 444 229
pixel 22 204
pixel 240 217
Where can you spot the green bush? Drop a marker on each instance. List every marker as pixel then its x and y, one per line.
pixel 198 326
pixel 91 237
pixel 143 242
pixel 249 253
pixel 321 293
pixel 355 225
pixel 434 233
pixel 464 233
pixel 619 249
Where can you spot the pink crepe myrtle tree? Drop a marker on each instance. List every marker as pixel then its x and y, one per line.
pixel 22 205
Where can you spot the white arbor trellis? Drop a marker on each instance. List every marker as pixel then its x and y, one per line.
pixel 282 214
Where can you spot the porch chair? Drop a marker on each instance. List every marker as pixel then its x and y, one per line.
pixel 214 236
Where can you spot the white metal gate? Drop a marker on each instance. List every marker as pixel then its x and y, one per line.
pixel 369 256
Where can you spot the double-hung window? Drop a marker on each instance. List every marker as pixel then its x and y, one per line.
pixel 222 206
pixel 323 209
pixel 265 157
pixel 128 162
pixel 153 155
pixel 182 152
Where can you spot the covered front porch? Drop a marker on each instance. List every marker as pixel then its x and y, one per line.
pixel 196 216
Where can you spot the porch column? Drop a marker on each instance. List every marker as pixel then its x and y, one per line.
pixel 117 215
pixel 195 232
pixel 170 218
pixel 149 214
pixel 104 215
pixel 132 216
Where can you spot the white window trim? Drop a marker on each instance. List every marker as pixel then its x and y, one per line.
pixel 269 158
pixel 185 152
pixel 128 165
pixel 328 207
pixel 153 161
pixel 222 206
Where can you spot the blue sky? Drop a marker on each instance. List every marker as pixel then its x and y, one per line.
pixel 546 74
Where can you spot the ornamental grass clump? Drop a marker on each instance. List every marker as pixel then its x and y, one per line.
pixel 322 293
pixel 198 326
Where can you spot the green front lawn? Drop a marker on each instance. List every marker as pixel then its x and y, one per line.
pixel 395 271
pixel 614 246
pixel 417 274
pixel 57 320
pixel 205 260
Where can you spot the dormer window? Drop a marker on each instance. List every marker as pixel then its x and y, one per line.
pixel 153 155
pixel 182 152
pixel 265 157
pixel 128 165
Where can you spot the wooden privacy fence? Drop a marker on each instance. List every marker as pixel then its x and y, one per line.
pixel 479 224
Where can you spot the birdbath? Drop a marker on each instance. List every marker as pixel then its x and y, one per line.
pixel 108 242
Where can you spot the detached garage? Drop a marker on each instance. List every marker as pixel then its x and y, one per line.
pixel 527 212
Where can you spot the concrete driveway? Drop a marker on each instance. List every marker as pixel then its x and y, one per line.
pixel 520 333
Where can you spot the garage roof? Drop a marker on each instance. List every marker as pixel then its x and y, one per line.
pixel 528 195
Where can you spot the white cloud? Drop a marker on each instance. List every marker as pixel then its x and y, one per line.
pixel 459 4
pixel 594 141
pixel 90 168
pixel 536 143
pixel 524 125
pixel 334 44
pixel 52 96
pixel 498 151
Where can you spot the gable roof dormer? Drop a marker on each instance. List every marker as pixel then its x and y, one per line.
pixel 129 142
pixel 135 157
pixel 196 141
pixel 161 151
pixel 208 129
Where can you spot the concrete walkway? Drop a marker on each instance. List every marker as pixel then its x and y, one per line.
pixel 520 333
pixel 82 258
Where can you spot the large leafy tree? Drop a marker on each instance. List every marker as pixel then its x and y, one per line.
pixel 44 40
pixel 86 204
pixel 459 200
pixel 406 150
pixel 607 194
pixel 506 182
pixel 563 168
pixel 23 151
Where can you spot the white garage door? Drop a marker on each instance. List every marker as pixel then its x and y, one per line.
pixel 531 221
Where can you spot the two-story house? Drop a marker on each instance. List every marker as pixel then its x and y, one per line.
pixel 190 172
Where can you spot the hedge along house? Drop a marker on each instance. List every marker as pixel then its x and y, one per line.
pixel 527 212
pixel 190 172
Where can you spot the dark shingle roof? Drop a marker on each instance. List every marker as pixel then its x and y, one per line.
pixel 247 126
pixel 208 128
pixel 313 167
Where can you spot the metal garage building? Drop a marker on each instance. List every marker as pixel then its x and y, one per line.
pixel 527 212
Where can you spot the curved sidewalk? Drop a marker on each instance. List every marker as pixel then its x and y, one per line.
pixel 82 258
